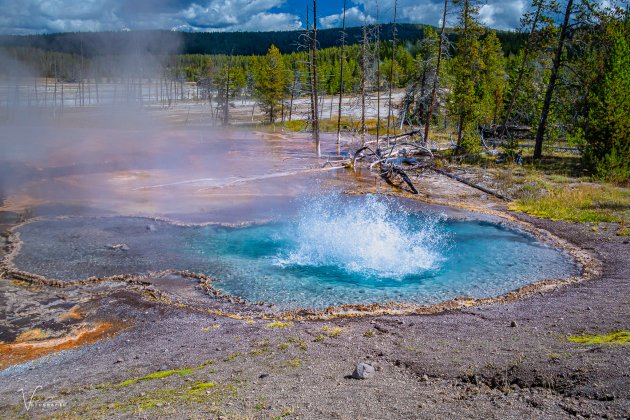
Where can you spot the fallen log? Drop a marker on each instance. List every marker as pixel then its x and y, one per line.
pixel 471 184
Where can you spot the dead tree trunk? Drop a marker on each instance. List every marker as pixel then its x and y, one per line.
pixel 315 93
pixel 391 74
pixel 436 80
pixel 378 78
pixel 521 71
pixel 226 102
pixel 471 184
pixel 342 59
pixel 542 125
pixel 363 76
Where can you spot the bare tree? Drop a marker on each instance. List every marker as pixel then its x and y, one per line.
pixel 534 19
pixel 341 61
pixel 542 125
pixel 314 80
pixel 391 73
pixel 363 77
pixel 436 80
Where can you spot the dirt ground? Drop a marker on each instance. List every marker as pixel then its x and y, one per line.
pixel 164 347
pixel 506 360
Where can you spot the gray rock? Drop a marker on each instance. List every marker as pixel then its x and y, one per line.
pixel 151 228
pixel 513 324
pixel 363 371
pixel 119 247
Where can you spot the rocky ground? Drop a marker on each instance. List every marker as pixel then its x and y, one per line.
pixel 158 358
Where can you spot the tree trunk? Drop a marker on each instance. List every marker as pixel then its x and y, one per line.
pixel 391 74
pixel 436 80
pixel 363 76
pixel 521 71
pixel 292 96
pixel 314 66
pixel 542 125
pixel 226 102
pixel 343 45
pixel 378 78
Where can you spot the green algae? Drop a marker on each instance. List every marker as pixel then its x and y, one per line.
pixel 158 375
pixel 615 337
pixel 278 324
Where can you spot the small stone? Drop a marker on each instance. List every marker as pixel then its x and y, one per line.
pixel 363 371
pixel 380 328
pixel 588 308
pixel 118 361
pixel 263 375
pixel 425 378
pixel 151 228
pixel 513 324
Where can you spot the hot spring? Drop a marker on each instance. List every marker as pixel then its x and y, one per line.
pixel 332 250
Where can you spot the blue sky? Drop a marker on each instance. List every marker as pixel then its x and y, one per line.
pixel 46 16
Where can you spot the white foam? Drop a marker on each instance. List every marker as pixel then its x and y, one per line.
pixel 371 235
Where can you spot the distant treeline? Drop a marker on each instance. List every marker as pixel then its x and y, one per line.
pixel 94 44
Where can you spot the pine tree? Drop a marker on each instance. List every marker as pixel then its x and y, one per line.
pixel 228 82
pixel 271 82
pixel 466 68
pixel 492 79
pixel 606 129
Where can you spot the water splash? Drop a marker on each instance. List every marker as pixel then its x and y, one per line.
pixel 372 236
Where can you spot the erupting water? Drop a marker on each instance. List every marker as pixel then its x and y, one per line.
pixel 372 237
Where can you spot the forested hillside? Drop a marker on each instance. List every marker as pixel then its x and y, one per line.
pixel 92 44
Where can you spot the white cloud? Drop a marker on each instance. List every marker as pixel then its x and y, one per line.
pixel 500 14
pixel 495 15
pixel 37 16
pixel 354 17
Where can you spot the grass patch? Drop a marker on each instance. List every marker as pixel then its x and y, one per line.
pixel 260 351
pixel 294 363
pixel 232 356
pixel 211 327
pixel 329 125
pixel 158 375
pixel 615 337
pixel 332 331
pixel 279 324
pixel 201 386
pixel 582 203
pixel 295 125
pixel 284 346
pixel 298 343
